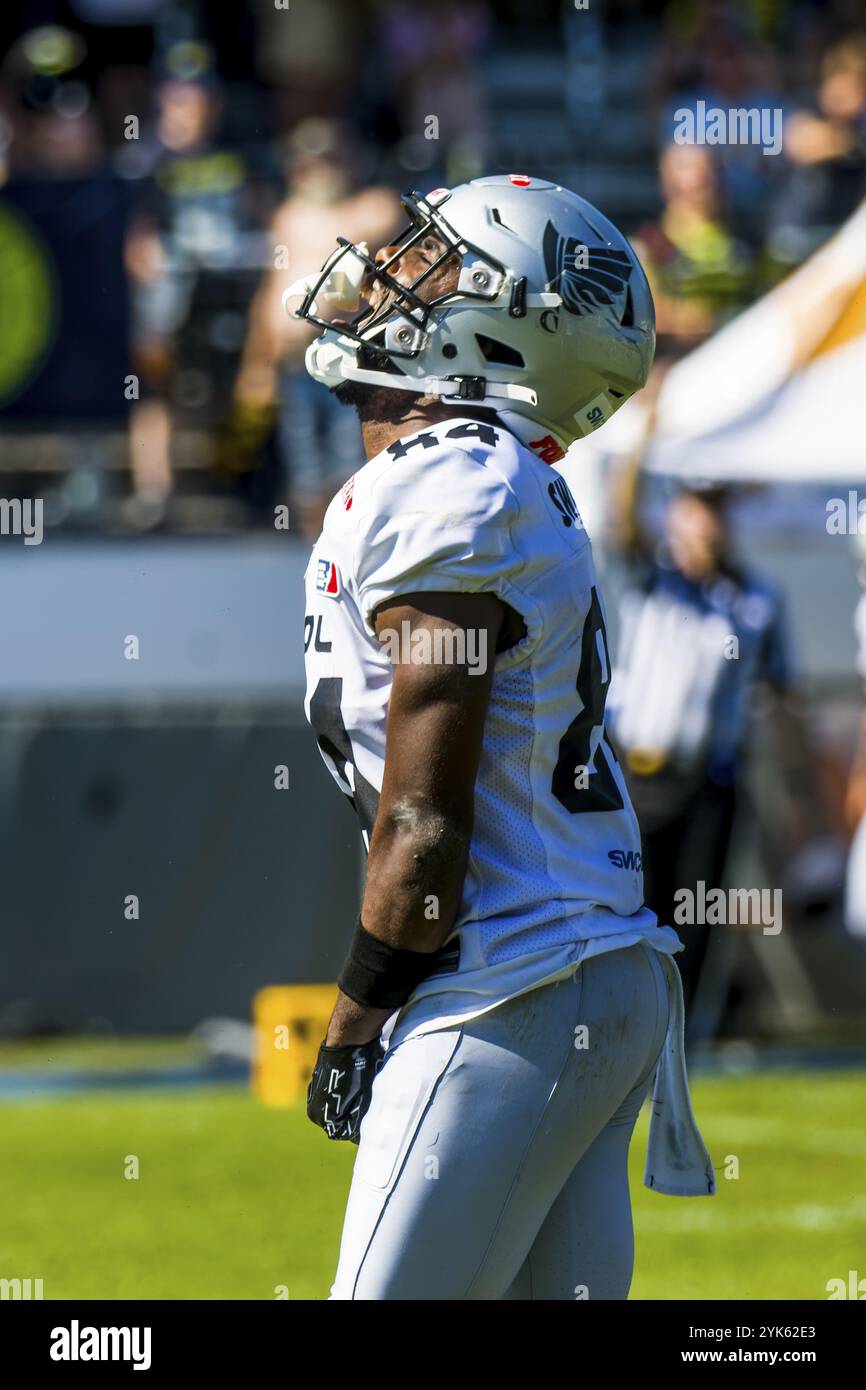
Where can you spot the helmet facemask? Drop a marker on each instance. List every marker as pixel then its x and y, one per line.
pixel 351 267
pixel 395 327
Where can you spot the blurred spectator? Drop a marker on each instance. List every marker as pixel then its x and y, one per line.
pixel 61 140
pixel 699 272
pixel 307 53
pixel 54 129
pixel 721 60
pixel 320 441
pixel 698 633
pixel 826 152
pixel 429 50
pixel 188 216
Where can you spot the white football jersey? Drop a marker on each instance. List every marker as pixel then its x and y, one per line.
pixel 555 853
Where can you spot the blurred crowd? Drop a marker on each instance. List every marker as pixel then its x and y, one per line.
pixel 169 167
pixel 235 143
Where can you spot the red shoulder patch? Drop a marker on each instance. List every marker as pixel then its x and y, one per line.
pixel 547 449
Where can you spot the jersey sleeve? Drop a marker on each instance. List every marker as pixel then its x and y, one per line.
pixel 440 522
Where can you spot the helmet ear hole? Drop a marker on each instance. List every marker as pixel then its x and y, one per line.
pixel 501 354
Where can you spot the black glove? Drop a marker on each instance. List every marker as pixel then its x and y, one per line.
pixel 339 1094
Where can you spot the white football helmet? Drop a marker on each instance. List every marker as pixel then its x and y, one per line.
pixel 551 324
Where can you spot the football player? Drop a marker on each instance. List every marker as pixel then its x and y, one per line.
pixel 506 996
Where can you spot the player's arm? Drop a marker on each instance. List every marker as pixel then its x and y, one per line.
pixel 420 842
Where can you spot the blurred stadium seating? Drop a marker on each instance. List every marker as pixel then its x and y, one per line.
pixel 139 260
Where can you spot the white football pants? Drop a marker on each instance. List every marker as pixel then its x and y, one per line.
pixel 493 1158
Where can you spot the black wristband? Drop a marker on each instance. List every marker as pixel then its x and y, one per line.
pixel 379 975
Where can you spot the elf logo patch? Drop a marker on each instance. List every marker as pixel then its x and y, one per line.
pixel 327 578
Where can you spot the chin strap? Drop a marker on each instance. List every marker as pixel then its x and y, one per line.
pixel 450 389
pixel 330 362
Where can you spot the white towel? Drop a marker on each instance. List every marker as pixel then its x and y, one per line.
pixel 677 1161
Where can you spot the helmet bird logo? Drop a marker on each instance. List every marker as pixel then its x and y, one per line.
pixel 590 279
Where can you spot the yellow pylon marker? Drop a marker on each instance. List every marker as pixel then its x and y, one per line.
pixel 290 1022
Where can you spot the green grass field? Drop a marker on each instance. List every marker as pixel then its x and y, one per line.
pixel 234 1200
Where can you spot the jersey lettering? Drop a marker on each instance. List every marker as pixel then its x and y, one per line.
pixel 474 429
pixel 309 624
pixel 601 792
pixel 562 499
pixel 626 858
pixel 471 429
pixel 399 449
pixel 326 717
